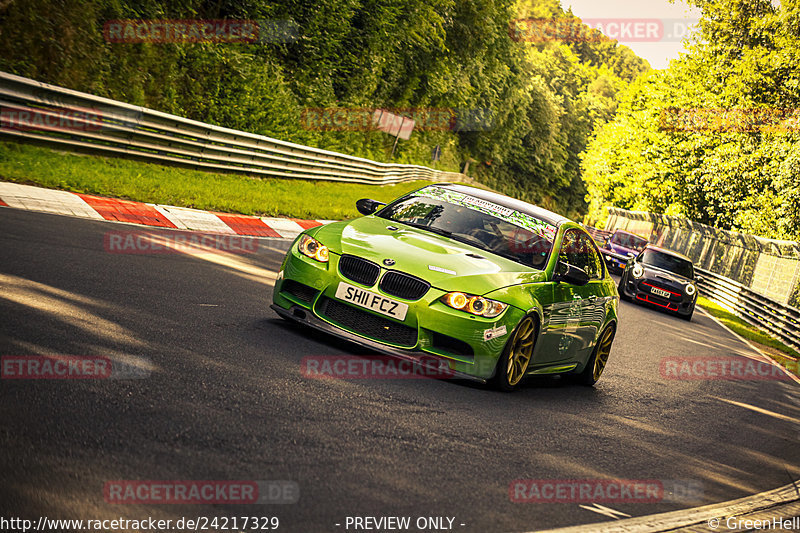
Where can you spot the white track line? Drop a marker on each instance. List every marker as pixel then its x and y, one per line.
pixel 763 357
pixel 690 517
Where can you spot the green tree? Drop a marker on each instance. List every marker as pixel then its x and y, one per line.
pixel 735 173
pixel 525 111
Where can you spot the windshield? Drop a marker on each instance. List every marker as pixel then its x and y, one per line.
pixel 469 225
pixel 627 240
pixel 668 262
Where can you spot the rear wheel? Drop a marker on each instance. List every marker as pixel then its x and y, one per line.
pixel 517 355
pixel 597 362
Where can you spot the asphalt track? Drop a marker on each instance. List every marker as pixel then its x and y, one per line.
pixel 225 400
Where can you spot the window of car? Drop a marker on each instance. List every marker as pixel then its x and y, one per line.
pixel 627 240
pixel 466 224
pixel 670 263
pixel 578 249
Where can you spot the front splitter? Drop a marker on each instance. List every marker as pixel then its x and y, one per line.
pixel 423 360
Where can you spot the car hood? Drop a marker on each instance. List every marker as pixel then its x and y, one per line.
pixel 665 276
pixel 446 264
pixel 622 250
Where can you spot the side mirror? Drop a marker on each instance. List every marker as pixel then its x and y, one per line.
pixel 570 274
pixel 366 206
pixel 698 279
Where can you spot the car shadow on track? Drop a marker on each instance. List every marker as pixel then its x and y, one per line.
pixel 327 341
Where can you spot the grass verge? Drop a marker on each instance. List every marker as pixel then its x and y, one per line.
pixel 152 183
pixel 761 339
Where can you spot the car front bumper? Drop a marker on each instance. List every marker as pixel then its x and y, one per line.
pixel 614 261
pixel 640 291
pixel 305 291
pixel 423 359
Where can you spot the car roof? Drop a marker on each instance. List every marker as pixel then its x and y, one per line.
pixel 629 233
pixel 668 252
pixel 506 201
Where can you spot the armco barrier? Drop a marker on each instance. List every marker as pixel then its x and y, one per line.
pixel 597 234
pixel 782 321
pixel 38 112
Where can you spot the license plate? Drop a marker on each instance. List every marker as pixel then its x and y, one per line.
pixel 660 292
pixel 370 300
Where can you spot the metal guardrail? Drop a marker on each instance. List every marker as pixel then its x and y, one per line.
pixel 77 121
pixel 597 234
pixel 781 321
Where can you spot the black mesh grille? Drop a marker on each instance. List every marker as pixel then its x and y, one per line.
pixel 367 324
pixel 404 286
pixel 451 345
pixel 304 293
pixel 359 270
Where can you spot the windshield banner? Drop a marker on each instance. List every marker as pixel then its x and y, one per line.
pixel 512 216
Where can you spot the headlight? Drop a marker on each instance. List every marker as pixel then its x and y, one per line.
pixel 476 305
pixel 690 289
pixel 637 271
pixel 312 248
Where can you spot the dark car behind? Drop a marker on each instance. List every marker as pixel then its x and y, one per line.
pixel 661 278
pixel 619 247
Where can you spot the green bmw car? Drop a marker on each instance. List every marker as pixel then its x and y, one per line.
pixel 491 288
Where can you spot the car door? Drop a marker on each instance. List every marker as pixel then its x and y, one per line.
pixel 593 310
pixel 565 329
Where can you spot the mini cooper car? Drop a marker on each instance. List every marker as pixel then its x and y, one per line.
pixel 493 288
pixel 661 278
pixel 619 247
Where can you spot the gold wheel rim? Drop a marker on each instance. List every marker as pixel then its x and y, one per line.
pixel 603 350
pixel 521 350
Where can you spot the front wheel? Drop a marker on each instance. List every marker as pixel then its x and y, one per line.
pixel 597 362
pixel 517 355
pixel 621 289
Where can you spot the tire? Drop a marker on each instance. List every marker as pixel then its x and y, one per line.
pixel 517 354
pixel 602 349
pixel 620 288
pixel 688 317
